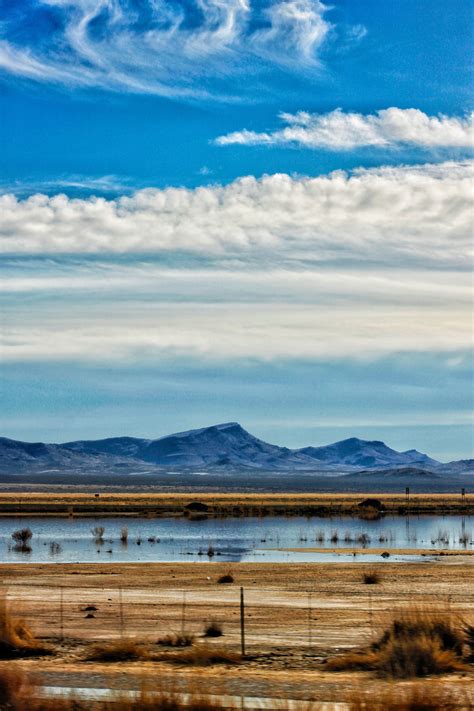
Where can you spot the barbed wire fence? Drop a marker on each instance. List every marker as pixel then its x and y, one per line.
pixel 251 620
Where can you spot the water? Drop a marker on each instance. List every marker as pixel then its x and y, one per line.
pixel 263 540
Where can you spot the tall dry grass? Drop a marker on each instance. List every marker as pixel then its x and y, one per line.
pixel 17 693
pixel 416 643
pixel 16 638
pixel 118 650
pixel 415 697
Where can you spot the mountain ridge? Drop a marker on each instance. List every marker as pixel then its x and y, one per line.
pixel 217 447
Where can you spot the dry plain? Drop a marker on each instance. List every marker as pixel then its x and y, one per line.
pixel 297 616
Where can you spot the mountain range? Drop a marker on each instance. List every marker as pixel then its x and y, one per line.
pixel 221 447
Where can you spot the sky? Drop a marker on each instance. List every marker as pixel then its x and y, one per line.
pixel 237 210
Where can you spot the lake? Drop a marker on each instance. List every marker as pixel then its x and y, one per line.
pixel 263 540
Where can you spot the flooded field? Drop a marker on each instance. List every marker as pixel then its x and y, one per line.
pixel 268 539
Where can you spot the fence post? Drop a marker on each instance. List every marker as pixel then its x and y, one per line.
pixel 370 613
pixel 242 622
pixel 121 613
pixel 310 631
pixel 61 613
pixel 183 612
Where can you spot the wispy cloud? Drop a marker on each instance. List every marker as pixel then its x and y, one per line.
pixel 396 215
pixel 163 47
pixel 145 330
pixel 340 131
pixel 80 184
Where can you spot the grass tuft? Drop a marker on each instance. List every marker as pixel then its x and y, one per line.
pixel 183 639
pixel 121 650
pixel 417 643
pixel 416 697
pixel 16 638
pixel 202 655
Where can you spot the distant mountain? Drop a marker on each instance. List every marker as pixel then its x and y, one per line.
pixel 361 453
pixel 226 448
pixel 401 473
pixel 227 444
pixel 461 466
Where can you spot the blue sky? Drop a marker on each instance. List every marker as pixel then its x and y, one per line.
pixel 232 209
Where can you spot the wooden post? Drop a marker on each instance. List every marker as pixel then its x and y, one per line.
pixel 310 622
pixel 61 613
pixel 370 613
pixel 121 613
pixel 183 612
pixel 242 623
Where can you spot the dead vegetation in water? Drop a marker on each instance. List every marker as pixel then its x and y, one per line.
pixel 416 643
pixel 16 638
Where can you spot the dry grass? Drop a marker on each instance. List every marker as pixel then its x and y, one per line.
pixel 202 655
pixel 120 650
pixel 468 630
pixel 18 694
pixel 183 639
pixel 417 643
pixel 220 504
pixel 416 697
pixel 16 638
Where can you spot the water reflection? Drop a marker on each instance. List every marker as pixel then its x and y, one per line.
pixel 233 539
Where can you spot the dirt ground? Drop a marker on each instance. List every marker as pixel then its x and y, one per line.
pixel 296 617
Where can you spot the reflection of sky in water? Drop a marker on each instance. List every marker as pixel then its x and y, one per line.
pixel 232 539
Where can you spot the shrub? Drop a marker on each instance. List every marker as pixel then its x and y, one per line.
pixel 121 650
pixel 16 638
pixel 213 629
pixel 227 578
pixel 469 636
pixel 22 539
pixel 371 578
pixel 417 643
pixel 203 656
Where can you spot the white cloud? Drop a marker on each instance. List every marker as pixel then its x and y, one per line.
pixel 166 48
pixel 144 332
pixel 394 215
pixel 340 131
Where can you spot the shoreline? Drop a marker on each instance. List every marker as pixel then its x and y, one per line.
pixel 222 505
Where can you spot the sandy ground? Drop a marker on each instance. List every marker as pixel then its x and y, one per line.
pixel 296 617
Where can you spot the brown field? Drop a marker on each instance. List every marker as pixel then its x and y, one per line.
pixel 71 503
pixel 297 616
